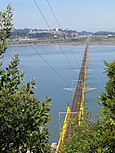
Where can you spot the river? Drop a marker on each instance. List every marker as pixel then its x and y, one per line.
pixel 55 76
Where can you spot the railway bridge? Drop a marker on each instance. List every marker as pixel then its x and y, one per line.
pixel 76 112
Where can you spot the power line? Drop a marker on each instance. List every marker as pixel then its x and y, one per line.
pixel 65 57
pixel 43 60
pixel 51 31
pixel 60 27
pixel 53 13
pixel 48 63
pixel 42 14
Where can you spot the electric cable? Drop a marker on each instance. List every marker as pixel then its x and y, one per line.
pixel 63 37
pixel 48 63
pixel 60 28
pixel 61 76
pixel 53 13
pixel 51 31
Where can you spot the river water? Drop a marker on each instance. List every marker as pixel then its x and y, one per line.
pixel 49 69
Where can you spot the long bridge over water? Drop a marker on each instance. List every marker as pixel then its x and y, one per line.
pixel 77 109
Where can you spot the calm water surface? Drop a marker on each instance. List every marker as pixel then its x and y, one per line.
pixel 49 83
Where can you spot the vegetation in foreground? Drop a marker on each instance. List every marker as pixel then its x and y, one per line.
pixel 23 118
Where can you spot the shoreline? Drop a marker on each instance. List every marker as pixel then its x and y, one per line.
pixel 50 42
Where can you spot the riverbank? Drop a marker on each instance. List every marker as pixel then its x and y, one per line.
pixel 27 42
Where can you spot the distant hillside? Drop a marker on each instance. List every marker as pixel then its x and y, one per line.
pixel 54 33
pixel 104 33
pixel 85 33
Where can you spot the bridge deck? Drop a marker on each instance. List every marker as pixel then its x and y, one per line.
pixel 77 109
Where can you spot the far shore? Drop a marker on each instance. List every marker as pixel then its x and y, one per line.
pixel 50 42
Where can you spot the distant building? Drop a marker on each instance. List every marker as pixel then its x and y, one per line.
pixel 56 30
pixel 74 35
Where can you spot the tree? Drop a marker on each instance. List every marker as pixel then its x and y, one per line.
pixel 108 98
pixel 23 117
pixel 97 137
pixel 107 126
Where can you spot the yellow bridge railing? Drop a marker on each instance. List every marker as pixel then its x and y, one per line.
pixel 64 129
pixel 81 109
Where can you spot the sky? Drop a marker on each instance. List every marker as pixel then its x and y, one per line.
pixel 79 15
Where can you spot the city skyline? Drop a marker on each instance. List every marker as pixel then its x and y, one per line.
pixel 78 15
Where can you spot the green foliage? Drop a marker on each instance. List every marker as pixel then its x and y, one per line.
pixel 97 137
pixel 5 27
pixel 108 98
pixel 23 117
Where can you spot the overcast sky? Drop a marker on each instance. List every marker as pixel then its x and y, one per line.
pixel 89 15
